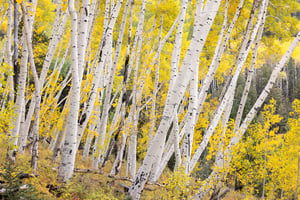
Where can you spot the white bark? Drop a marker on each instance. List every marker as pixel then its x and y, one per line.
pixel 20 100
pixel 58 143
pixel 97 77
pixel 82 35
pixel 249 78
pixel 16 50
pixel 241 60
pixel 35 128
pixel 132 145
pixel 88 142
pixel 56 34
pixel 10 81
pixel 134 113
pixel 176 143
pixel 262 97
pixel 69 150
pixel 177 46
pixel 187 144
pixel 13 140
pixel 216 175
pixel 203 22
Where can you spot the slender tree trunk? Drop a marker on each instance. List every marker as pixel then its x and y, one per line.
pixel 16 40
pixel 188 139
pixel 13 140
pixel 265 91
pixel 204 89
pixel 203 22
pixel 56 34
pixel 58 144
pixel 235 139
pixel 8 57
pixel 20 100
pixel 87 146
pixel 69 150
pixel 107 37
pixel 176 142
pixel 249 77
pixel 82 35
pixel 230 91
pixel 35 128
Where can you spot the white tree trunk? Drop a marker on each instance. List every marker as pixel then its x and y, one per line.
pixel 88 142
pixel 82 35
pixel 216 174
pixel 13 140
pixel 262 97
pixel 20 100
pixel 35 128
pixel 10 81
pixel 240 62
pixel 56 34
pixel 187 144
pixel 69 150
pixel 203 22
pixel 107 37
pixel 249 77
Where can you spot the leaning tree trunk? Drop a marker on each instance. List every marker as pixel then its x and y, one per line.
pixel 56 34
pixel 279 66
pixel 107 37
pixel 203 22
pixel 261 99
pixel 35 128
pixel 230 91
pixel 208 79
pixel 249 77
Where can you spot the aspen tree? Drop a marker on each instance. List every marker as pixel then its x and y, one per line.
pixel 240 62
pixel 206 82
pixel 262 97
pixel 130 119
pixel 16 50
pixel 69 149
pixel 82 35
pixel 135 109
pixel 99 142
pixel 34 149
pixel 235 139
pixel 105 41
pixel 88 142
pixel 13 140
pixel 153 108
pixel 249 77
pixel 20 98
pixel 8 53
pixel 203 22
pixel 56 34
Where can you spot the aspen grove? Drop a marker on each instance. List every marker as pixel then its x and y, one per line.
pixel 170 99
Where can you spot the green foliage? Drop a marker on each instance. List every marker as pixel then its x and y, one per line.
pixel 13 186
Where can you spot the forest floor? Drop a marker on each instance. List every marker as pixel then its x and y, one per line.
pixel 87 184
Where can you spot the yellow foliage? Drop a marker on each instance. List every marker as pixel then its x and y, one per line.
pixel 177 187
pixel 267 160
